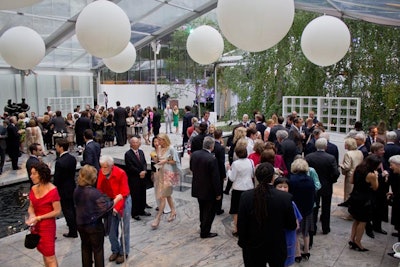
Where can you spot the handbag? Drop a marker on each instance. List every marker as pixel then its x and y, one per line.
pixel 32 240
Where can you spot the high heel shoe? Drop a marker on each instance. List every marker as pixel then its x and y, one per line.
pixel 155 223
pixel 358 248
pixel 298 259
pixel 351 244
pixel 172 217
pixel 305 256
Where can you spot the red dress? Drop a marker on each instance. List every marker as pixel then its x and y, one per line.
pixel 46 228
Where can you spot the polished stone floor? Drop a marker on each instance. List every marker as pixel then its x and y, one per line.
pixel 178 243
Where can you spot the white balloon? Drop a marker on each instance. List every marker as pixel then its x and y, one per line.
pixel 123 61
pixel 22 47
pixel 103 29
pixel 325 40
pixel 255 25
pixel 13 4
pixel 205 45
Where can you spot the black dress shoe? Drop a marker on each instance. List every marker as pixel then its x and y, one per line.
pixel 137 218
pixel 69 235
pixel 391 254
pixel 148 206
pixel 210 235
pixel 146 213
pixel 370 233
pixel 343 204
pixel 326 232
pixel 219 212
pixel 381 231
pixel 395 234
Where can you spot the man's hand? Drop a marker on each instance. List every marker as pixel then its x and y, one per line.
pixel 218 198
pixel 142 174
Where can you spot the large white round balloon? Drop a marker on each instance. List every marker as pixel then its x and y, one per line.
pixel 255 25
pixel 325 40
pixel 13 4
pixel 103 29
pixel 205 45
pixel 123 61
pixel 22 47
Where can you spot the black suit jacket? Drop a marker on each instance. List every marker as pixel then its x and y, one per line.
pixel 81 125
pixel 272 235
pixel 156 119
pixel 186 123
pixel 288 150
pixel 12 140
pixel 91 155
pixel 64 175
pixel 120 115
pixel 390 150
pixel 197 142
pixel 133 165
pixel 206 183
pixel 332 149
pixel 272 133
pixel 364 150
pixel 219 152
pixel 327 169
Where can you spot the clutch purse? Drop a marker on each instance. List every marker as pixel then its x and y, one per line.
pixel 32 240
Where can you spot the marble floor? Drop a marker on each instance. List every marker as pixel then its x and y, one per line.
pixel 178 243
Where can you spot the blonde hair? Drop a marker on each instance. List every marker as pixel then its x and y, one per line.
pixel 299 165
pixel 164 137
pixel 240 132
pixel 87 175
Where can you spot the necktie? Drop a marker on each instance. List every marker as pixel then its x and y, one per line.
pixel 137 155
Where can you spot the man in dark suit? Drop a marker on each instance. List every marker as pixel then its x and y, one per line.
pixel 264 215
pixel 296 134
pixel 360 140
pixel 91 154
pixel 186 123
pixel 12 141
pixel 275 129
pixel 64 179
pixel 136 169
pixel 120 115
pixel 371 137
pixel 260 125
pixel 156 121
pixel 82 124
pixel 206 185
pixel 287 148
pixel 331 148
pixel 58 123
pixel 36 151
pixel 327 169
pixel 219 152
pixel 197 141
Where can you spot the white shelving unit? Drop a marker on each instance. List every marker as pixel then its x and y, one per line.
pixel 338 114
pixel 67 104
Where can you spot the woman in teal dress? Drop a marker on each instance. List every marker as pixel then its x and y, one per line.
pixel 176 118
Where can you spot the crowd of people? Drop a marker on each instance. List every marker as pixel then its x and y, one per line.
pixel 265 157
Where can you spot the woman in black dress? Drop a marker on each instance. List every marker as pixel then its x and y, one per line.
pixel 361 201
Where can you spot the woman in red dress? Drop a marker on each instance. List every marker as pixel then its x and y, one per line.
pixel 43 208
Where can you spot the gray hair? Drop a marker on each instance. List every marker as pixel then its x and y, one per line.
pixel 391 136
pixel 107 159
pixel 360 136
pixel 321 143
pixel 208 143
pixel 282 134
pixel 324 135
pixel 299 165
pixel 395 159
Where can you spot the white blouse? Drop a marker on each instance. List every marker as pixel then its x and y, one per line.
pixel 241 174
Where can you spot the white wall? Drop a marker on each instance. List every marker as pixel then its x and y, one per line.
pixel 144 94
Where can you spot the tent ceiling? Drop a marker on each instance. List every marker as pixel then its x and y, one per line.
pixel 150 20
